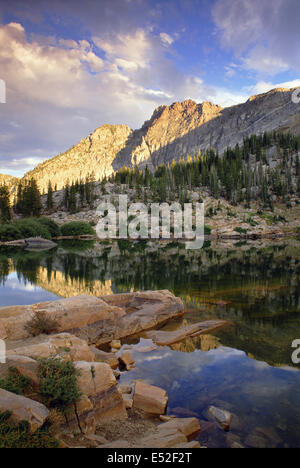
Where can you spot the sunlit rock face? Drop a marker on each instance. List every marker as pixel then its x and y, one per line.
pixel 171 133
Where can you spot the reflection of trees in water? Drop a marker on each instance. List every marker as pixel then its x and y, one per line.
pixel 4 269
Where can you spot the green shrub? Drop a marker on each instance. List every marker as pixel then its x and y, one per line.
pixel 50 225
pixel 207 230
pixel 41 323
pixel 31 227
pixel 58 384
pixel 18 435
pixel 9 232
pixel 15 382
pixel 76 228
pixel 241 230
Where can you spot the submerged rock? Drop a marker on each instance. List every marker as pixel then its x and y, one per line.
pixel 222 417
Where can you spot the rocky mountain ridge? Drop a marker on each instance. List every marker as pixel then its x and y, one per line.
pixel 171 133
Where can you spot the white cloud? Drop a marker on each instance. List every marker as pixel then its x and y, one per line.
pixel 263 86
pixel 264 35
pixel 58 91
pixel 166 38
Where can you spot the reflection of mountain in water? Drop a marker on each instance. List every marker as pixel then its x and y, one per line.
pixel 256 286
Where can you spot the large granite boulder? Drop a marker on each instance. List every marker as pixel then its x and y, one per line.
pixel 98 383
pixel 23 409
pixel 24 365
pixel 79 313
pixel 97 320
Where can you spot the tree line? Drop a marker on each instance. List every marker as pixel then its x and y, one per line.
pixel 241 175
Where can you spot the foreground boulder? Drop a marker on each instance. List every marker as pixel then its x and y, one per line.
pixel 63 345
pixel 98 383
pixel 97 320
pixel 23 409
pixel 25 366
pixel 101 400
pixel 150 399
pixel 79 313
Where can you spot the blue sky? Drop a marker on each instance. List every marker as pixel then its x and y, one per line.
pixel 72 66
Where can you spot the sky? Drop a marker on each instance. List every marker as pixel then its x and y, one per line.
pixel 70 66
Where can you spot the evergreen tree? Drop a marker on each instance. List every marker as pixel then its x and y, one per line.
pixel 50 202
pixel 5 209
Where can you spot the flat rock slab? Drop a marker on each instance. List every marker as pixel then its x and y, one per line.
pixel 23 409
pixel 63 345
pixel 166 338
pixel 150 399
pixel 188 426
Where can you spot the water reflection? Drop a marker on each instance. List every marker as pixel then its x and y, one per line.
pixel 245 368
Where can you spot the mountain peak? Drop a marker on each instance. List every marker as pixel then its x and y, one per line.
pixel 173 131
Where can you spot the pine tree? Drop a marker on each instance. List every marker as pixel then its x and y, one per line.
pixel 50 202
pixel 5 209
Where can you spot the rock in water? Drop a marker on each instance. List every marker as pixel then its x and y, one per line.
pixel 150 399
pixel 222 417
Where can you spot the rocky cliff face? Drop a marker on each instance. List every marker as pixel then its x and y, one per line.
pixel 172 132
pixel 8 180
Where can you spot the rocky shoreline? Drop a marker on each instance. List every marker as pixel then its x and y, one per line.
pixel 84 325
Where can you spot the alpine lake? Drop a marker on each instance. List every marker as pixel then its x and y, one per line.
pixel 245 368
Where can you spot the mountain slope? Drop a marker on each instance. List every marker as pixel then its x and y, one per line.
pixel 172 132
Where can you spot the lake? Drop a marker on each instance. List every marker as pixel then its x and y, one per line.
pixel 245 368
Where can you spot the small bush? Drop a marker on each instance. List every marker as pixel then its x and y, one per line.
pixel 207 230
pixel 31 227
pixel 241 230
pixel 15 382
pixel 76 228
pixel 9 232
pixel 58 384
pixel 18 435
pixel 50 225
pixel 41 323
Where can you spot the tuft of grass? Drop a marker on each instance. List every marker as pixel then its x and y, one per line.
pixel 41 323
pixel 15 382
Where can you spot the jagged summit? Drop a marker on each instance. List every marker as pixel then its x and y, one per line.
pixel 172 132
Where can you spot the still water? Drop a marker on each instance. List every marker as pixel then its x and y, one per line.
pixel 245 368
